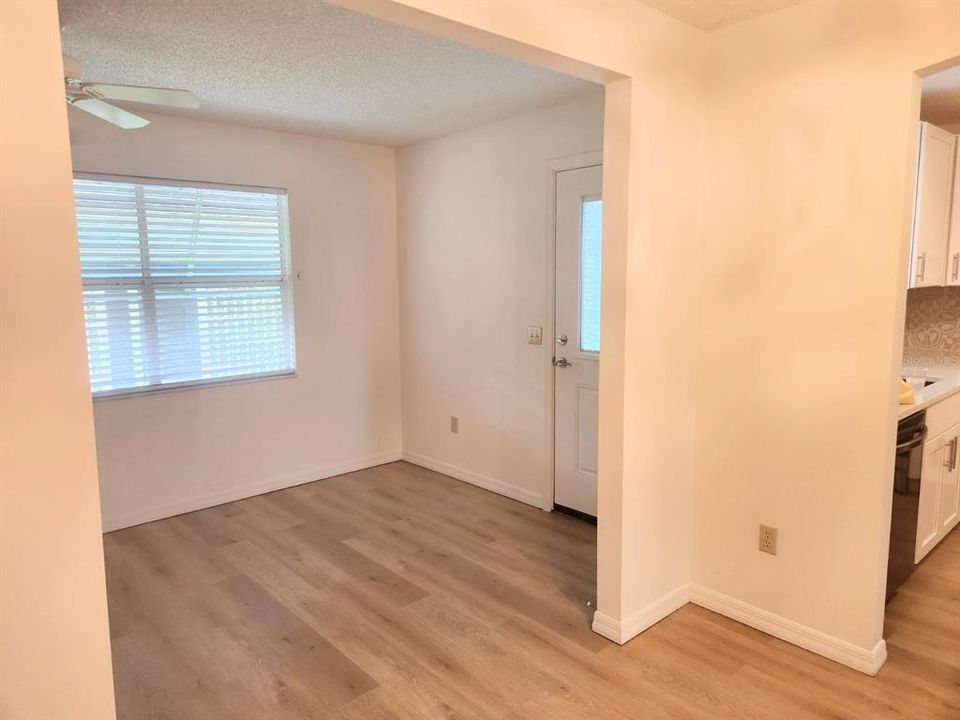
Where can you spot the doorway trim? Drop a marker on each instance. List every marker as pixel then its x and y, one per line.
pixel 579 161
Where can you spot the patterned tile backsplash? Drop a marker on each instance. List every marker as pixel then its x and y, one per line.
pixel 932 333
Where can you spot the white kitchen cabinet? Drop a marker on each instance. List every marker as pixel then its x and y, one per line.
pixel 938 510
pixel 931 216
pixel 928 525
pixel 953 261
pixel 948 502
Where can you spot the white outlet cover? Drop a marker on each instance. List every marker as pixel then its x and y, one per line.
pixel 768 539
pixel 534 335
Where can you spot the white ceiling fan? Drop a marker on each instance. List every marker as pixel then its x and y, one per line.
pixel 90 97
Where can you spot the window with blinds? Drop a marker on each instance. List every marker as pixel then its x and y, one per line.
pixel 183 283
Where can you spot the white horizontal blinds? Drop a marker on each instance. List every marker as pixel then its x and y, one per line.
pixel 183 283
pixel 213 234
pixel 109 232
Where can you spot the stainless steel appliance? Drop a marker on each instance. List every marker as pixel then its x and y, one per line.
pixel 911 432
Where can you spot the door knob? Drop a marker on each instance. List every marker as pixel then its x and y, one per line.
pixel 561 362
pixel 562 340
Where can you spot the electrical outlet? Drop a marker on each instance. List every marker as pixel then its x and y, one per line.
pixel 454 424
pixel 534 335
pixel 768 539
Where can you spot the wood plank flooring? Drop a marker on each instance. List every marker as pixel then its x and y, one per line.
pixel 397 592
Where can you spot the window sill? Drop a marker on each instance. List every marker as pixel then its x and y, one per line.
pixel 190 385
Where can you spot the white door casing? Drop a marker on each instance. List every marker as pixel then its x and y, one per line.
pixel 577 359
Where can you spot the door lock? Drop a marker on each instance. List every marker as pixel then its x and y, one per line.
pixel 562 340
pixel 561 362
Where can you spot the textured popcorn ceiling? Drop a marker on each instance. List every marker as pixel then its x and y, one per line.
pixel 304 66
pixel 940 101
pixel 712 14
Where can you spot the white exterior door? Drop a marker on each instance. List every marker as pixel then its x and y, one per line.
pixel 577 341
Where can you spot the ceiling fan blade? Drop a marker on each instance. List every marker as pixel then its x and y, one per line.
pixel 140 94
pixel 105 111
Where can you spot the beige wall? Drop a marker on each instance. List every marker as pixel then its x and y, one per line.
pixel 475 271
pixel 801 293
pixel 54 645
pixel 171 452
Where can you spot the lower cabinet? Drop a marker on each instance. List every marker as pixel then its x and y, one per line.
pixel 948 507
pixel 939 510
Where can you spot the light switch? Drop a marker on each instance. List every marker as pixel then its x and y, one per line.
pixel 535 335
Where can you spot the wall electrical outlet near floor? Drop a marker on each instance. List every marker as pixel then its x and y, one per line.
pixel 768 539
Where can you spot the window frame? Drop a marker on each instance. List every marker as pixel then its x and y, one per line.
pixel 287 277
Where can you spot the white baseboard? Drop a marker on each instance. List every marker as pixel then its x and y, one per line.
pixel 240 492
pixel 621 631
pixel 468 476
pixel 846 653
pixel 833 648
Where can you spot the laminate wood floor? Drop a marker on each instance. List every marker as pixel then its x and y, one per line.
pixel 396 592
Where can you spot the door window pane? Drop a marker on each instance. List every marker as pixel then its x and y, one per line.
pixel 591 223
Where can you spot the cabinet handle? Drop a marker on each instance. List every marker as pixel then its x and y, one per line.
pixel 922 262
pixel 950 462
pixel 956 265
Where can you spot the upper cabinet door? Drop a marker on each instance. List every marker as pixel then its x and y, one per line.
pixel 953 261
pixel 931 217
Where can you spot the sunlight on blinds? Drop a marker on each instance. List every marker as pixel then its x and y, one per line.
pixel 183 284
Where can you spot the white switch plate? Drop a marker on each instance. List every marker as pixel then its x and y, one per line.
pixel 535 335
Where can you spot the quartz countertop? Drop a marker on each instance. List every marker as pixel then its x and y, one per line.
pixel 947 384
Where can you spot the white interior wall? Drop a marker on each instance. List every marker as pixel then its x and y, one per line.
pixel 475 270
pixel 54 640
pixel 801 298
pixel 166 453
